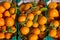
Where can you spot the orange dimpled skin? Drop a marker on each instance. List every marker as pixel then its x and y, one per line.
pixel 7 14
pixel 2 9
pixel 1 15
pixel 22 18
pixel 6 5
pixel 9 21
pixel 12 10
pixel 2 22
pixel 13 16
pixel 24 30
pixel 2 36
pixel 8 35
pixel 42 20
pixel 4 28
pixel 53 13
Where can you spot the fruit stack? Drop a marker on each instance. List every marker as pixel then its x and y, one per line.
pixel 7 20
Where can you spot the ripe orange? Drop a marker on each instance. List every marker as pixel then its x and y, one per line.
pixel 27 6
pixel 36 31
pixel 52 5
pixel 13 16
pixel 22 7
pixel 7 14
pixel 30 16
pixel 2 22
pixel 1 15
pixel 8 35
pixel 12 10
pixel 2 36
pixel 33 37
pixel 53 13
pixel 55 23
pixel 29 23
pixel 13 28
pixel 35 24
pixel 2 9
pixel 24 30
pixel 42 28
pixel 42 20
pixel 38 12
pixel 53 33
pixel 22 18
pixel 4 28
pixel 9 21
pixel 6 5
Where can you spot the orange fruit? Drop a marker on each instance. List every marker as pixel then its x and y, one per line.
pixel 35 24
pixel 27 6
pixel 22 18
pixel 13 28
pixel 38 12
pixel 22 7
pixel 29 23
pixel 12 10
pixel 4 28
pixel 52 5
pixel 2 22
pixel 42 20
pixel 2 35
pixel 33 37
pixel 13 16
pixel 55 23
pixel 30 16
pixel 42 28
pixel 2 9
pixel 7 14
pixel 36 31
pixel 52 33
pixel 9 21
pixel 24 30
pixel 53 13
pixel 8 35
pixel 1 15
pixel 6 5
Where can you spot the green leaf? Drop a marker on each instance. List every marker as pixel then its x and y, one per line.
pixel 35 18
pixel 3 31
pixel 22 23
pixel 43 9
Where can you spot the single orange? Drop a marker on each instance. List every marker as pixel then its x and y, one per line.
pixel 4 28
pixel 9 21
pixel 35 24
pixel 30 16
pixel 53 13
pixel 2 35
pixel 13 28
pixel 38 12
pixel 29 23
pixel 53 33
pixel 22 18
pixel 13 16
pixel 22 6
pixel 33 37
pixel 36 31
pixel 52 5
pixel 2 9
pixel 42 20
pixel 24 30
pixel 1 15
pixel 55 23
pixel 12 10
pixel 7 14
pixel 6 5
pixel 2 22
pixel 42 28
pixel 8 35
pixel 27 6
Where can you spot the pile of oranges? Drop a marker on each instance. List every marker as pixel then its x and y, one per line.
pixel 33 22
pixel 7 20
